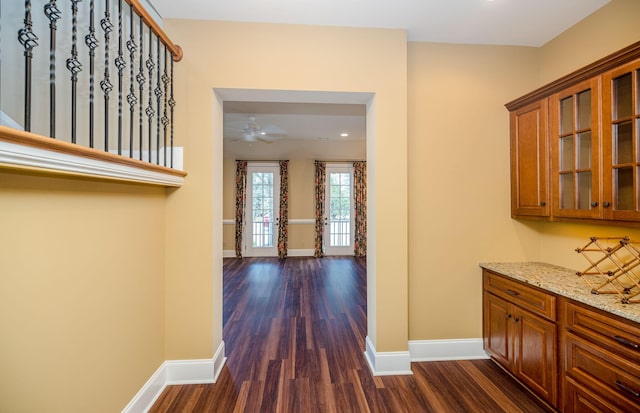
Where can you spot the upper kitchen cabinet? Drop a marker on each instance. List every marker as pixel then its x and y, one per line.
pixel 575 145
pixel 529 161
pixel 575 150
pixel 621 145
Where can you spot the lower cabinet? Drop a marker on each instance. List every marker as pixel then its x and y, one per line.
pixel 523 342
pixel 577 358
pixel 601 361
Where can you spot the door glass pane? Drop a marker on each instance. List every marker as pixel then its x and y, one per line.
pixel 566 115
pixel 584 190
pixel 566 153
pixel 624 189
pixel 340 209
pixel 567 191
pixel 584 150
pixel 622 96
pixel 584 109
pixel 623 141
pixel 262 209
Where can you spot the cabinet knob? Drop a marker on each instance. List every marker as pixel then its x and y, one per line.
pixel 594 204
pixel 516 319
pixel 606 204
pixel 508 316
pixel 543 203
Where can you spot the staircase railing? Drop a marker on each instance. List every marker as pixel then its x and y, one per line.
pixel 95 73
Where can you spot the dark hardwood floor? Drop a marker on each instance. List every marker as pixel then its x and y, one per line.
pixel 294 332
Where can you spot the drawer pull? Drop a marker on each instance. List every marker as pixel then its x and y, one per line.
pixel 626 342
pixel 627 389
pixel 511 292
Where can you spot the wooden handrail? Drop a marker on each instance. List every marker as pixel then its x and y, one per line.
pixel 146 17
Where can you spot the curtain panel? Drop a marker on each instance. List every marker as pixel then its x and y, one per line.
pixel 241 199
pixel 320 200
pixel 360 204
pixel 283 224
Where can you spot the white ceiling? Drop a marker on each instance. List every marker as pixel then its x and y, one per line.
pixel 503 22
pixel 313 130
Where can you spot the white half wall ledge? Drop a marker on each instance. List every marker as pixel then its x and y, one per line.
pixel 177 372
pixel 23 156
pixel 442 350
pixel 388 363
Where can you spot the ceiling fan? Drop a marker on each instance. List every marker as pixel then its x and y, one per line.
pixel 251 131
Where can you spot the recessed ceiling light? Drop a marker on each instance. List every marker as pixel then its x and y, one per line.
pixel 344 134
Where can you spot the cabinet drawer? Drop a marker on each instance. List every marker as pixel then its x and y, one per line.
pixel 620 337
pixel 527 297
pixel 608 375
pixel 579 399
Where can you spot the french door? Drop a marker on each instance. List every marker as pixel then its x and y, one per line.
pixel 339 210
pixel 262 210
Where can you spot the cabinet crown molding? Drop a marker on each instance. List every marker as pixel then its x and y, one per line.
pixel 596 68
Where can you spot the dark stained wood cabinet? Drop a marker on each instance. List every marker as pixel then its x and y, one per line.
pixel 575 145
pixel 601 360
pixel 520 333
pixel 529 161
pixel 576 357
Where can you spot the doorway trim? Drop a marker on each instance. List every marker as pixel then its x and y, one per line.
pixel 304 96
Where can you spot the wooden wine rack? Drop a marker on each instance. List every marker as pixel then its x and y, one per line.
pixel 614 267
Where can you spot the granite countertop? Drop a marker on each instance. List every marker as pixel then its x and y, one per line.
pixel 563 281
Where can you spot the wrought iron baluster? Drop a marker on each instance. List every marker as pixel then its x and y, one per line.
pixel 105 84
pixel 29 41
pixel 165 119
pixel 172 104
pixel 131 97
pixel 141 79
pixel 53 14
pixel 149 111
pixel 120 65
pixel 74 66
pixel 158 92
pixel 92 43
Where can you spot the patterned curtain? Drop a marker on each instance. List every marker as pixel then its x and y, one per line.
pixel 360 203
pixel 241 199
pixel 283 225
pixel 320 194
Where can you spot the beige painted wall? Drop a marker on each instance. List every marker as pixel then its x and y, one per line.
pixel 82 293
pixel 459 166
pixel 371 61
pixel 459 180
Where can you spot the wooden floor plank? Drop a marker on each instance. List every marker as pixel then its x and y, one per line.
pixel 294 332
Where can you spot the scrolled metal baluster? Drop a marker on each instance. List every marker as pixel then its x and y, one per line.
pixel 120 65
pixel 75 67
pixel 92 43
pixel 158 93
pixel 149 111
pixel 53 14
pixel 141 79
pixel 29 41
pixel 172 104
pixel 131 97
pixel 165 119
pixel 105 84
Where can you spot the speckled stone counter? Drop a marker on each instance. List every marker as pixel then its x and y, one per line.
pixel 564 282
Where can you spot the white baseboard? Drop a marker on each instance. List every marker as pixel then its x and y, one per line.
pixel 290 253
pixel 176 372
pixel 437 350
pixel 388 363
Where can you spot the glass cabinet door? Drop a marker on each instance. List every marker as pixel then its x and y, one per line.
pixel 621 113
pixel 575 151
